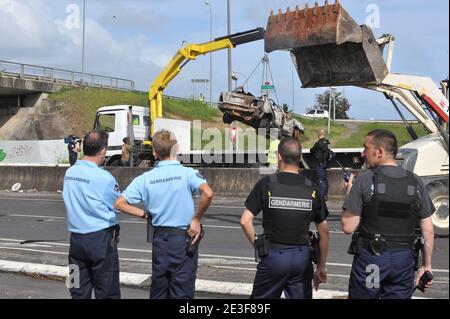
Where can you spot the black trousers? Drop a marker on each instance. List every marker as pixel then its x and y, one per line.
pixel 94 260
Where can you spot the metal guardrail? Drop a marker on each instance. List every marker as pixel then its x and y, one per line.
pixel 63 77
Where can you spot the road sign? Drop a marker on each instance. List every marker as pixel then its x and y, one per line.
pixel 233 134
pixel 267 87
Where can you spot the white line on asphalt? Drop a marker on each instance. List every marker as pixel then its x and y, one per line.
pixel 138 222
pixel 328 274
pixel 31 199
pixel 203 256
pixel 36 216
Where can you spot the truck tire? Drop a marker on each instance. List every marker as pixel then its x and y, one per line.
pixel 438 192
pixel 227 118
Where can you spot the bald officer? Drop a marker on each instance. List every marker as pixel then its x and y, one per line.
pixel 166 192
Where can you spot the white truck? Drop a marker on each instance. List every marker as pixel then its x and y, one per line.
pixel 134 122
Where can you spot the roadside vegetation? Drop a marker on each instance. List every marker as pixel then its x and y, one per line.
pixel 78 107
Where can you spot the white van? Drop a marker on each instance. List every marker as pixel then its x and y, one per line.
pixel 316 114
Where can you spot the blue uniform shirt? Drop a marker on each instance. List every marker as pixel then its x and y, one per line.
pixel 166 191
pixel 89 195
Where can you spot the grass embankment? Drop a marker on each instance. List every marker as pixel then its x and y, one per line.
pixel 79 107
pixel 341 136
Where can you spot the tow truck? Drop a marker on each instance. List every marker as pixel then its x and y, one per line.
pixel 329 48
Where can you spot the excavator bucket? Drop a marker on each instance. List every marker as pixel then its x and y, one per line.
pixel 327 46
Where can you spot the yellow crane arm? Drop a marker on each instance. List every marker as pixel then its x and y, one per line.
pixel 183 56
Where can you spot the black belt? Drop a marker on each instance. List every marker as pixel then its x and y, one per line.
pixel 112 228
pixel 170 230
pixel 283 246
pixel 390 245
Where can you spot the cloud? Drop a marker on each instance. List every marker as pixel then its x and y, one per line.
pixel 41 39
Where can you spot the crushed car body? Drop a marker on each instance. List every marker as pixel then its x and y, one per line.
pixel 257 112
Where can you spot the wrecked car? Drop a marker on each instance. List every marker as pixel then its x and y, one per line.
pixel 257 112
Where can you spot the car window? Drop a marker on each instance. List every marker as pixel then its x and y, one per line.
pixel 146 120
pixel 310 112
pixel 105 122
pixel 320 112
pixel 135 120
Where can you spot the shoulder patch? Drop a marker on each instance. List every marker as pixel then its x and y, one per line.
pixel 199 175
pixel 313 195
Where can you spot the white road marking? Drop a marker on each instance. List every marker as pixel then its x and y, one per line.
pixel 205 257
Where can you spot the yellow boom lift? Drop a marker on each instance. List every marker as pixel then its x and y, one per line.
pixel 183 56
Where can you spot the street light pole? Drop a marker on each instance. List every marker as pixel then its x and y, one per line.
pixel 210 55
pixel 293 91
pixel 329 112
pixel 82 49
pixel 230 84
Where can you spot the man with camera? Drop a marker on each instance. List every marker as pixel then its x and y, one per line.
pixel 74 147
pixel 289 203
pixel 382 209
pixel 321 153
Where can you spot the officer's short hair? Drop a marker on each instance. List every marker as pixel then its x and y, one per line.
pixel 164 143
pixel 290 151
pixel 94 142
pixel 386 139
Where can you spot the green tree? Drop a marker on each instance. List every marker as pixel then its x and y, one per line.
pixel 342 104
pixel 285 108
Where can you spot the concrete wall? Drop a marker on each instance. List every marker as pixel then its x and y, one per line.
pixel 28 85
pixel 224 181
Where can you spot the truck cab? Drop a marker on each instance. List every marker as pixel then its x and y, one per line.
pixel 114 120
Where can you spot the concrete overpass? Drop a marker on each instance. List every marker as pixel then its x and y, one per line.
pixel 23 84
pixel 23 88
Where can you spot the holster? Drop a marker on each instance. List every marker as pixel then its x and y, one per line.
pixel 149 227
pixel 262 246
pixel 419 244
pixel 378 244
pixel 192 248
pixel 115 230
pixel 314 246
pixel 356 244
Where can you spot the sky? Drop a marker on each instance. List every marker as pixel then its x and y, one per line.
pixel 135 39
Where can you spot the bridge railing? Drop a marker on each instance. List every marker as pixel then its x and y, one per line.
pixel 64 77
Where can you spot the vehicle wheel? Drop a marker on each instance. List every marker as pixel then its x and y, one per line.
pixel 115 162
pixel 438 192
pixel 227 119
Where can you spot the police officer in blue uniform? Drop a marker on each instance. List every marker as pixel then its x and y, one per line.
pixel 289 204
pixel 166 192
pixel 89 195
pixel 382 209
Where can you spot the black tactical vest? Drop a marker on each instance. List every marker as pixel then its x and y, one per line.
pixel 289 212
pixel 393 209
